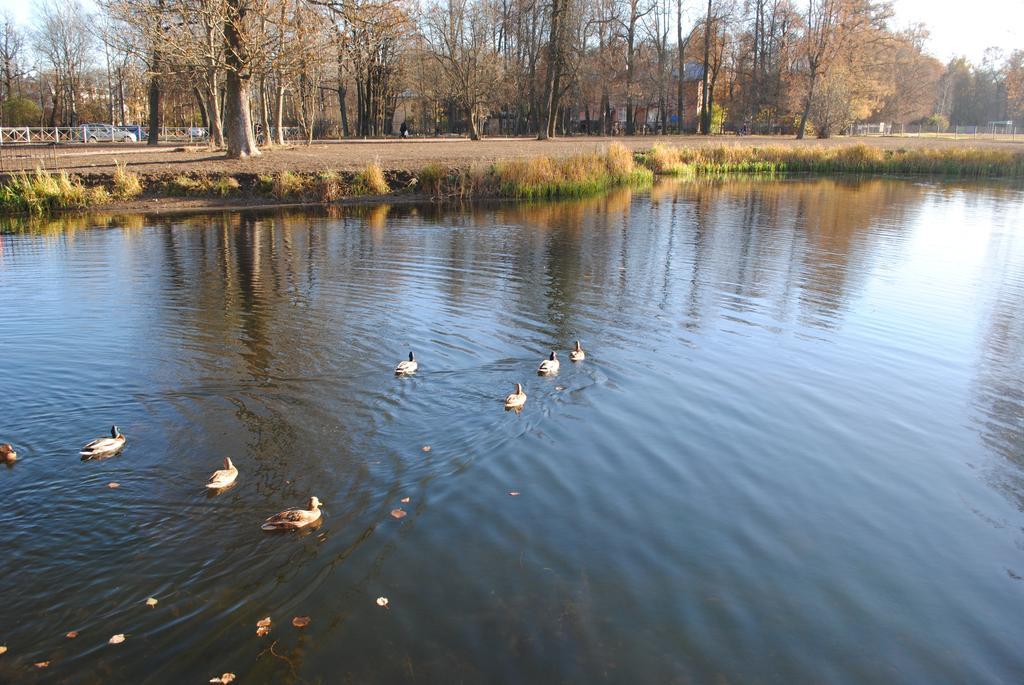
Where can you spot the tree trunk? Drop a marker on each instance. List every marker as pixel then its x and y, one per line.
pixel 279 113
pixel 474 124
pixel 237 119
pixel 343 109
pixel 264 107
pixel 682 66
pixel 802 129
pixel 551 81
pixel 203 116
pixel 705 105
pixel 214 113
pixel 154 100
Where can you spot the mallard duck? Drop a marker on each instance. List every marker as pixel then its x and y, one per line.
pixel 516 399
pixel 294 518
pixel 7 453
pixel 224 477
pixel 407 366
pixel 577 354
pixel 549 366
pixel 104 447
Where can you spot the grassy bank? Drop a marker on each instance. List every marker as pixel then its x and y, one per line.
pixel 858 159
pixel 531 178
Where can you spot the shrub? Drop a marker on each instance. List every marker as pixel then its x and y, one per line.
pixel 370 181
pixel 127 184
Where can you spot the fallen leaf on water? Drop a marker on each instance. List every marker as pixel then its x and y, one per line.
pixel 398 513
pixel 113 485
pixel 224 678
pixel 406 500
pixel 41 664
pixel 3 648
pixel 262 630
pixel 300 621
pixel 264 622
pixel 514 493
pixel 382 601
pixel 72 634
pixel 426 448
pixel 116 639
pixel 151 602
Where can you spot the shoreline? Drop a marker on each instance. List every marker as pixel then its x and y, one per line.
pixel 539 177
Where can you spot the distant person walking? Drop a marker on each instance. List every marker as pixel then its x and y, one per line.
pixel 404 130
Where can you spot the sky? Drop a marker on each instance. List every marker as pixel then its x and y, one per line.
pixel 957 28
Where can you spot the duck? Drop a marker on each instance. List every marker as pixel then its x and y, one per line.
pixel 104 447
pixel 549 366
pixel 516 399
pixel 7 453
pixel 294 518
pixel 224 477
pixel 407 366
pixel 577 354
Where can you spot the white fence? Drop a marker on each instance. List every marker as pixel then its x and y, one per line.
pixel 994 131
pixel 24 135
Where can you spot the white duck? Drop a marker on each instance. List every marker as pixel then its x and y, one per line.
pixel 576 354
pixel 407 366
pixel 517 399
pixel 104 447
pixel 549 366
pixel 224 477
pixel 294 518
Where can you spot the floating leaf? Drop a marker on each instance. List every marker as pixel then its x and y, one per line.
pixel 264 622
pixel 406 500
pixel 151 602
pixel 113 485
pixel 382 601
pixel 41 664
pixel 398 513
pixel 262 630
pixel 300 621
pixel 425 448
pixel 224 678
pixel 116 639
pixel 3 648
pixel 514 493
pixel 71 634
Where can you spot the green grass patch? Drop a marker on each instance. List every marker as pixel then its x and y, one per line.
pixel 44 191
pixel 202 186
pixel 859 159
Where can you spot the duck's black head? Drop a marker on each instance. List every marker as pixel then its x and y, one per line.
pixel 553 356
pixel 114 432
pixel 412 357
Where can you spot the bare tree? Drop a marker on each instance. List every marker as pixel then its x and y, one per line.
pixel 64 38
pixel 459 35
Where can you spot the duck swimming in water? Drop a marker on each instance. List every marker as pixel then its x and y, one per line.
pixel 577 354
pixel 549 366
pixel 104 447
pixel 517 399
pixel 407 366
pixel 294 518
pixel 7 453
pixel 224 477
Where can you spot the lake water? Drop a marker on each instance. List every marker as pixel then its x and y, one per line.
pixel 794 453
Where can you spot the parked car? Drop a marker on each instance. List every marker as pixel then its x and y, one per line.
pixel 198 133
pixel 106 133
